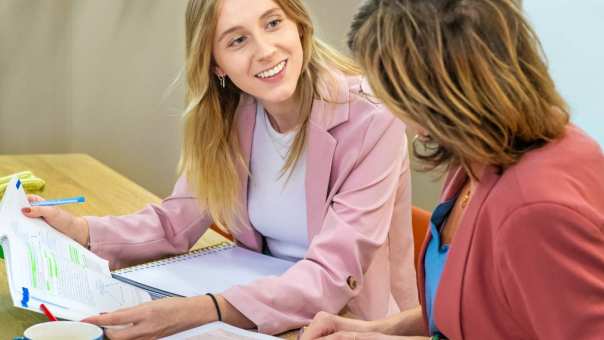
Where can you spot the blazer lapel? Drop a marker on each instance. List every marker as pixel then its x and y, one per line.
pixel 246 121
pixel 453 183
pixel 449 293
pixel 319 158
pixel 321 147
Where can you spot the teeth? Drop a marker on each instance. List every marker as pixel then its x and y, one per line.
pixel 269 73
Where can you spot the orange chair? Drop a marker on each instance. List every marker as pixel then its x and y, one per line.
pixel 420 220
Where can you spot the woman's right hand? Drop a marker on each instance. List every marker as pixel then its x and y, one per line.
pixel 74 227
pixel 325 324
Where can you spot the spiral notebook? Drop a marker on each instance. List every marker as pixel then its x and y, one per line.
pixel 207 270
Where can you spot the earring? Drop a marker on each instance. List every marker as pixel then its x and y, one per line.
pixel 222 81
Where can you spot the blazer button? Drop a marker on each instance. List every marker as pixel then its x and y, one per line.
pixel 352 282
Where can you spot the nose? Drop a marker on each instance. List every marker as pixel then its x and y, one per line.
pixel 266 50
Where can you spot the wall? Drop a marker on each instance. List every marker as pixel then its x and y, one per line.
pixel 571 34
pixel 35 76
pixel 125 55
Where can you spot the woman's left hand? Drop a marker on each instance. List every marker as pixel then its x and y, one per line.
pixel 154 319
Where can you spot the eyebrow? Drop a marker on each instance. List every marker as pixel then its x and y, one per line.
pixel 235 28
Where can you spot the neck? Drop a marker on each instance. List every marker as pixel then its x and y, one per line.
pixel 283 116
pixel 478 170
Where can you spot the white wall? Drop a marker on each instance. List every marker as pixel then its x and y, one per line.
pixel 572 35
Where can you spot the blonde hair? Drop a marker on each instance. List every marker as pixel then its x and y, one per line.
pixel 471 72
pixel 211 157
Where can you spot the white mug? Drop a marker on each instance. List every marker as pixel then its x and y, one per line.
pixel 55 330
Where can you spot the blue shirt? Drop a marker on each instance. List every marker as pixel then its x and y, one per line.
pixel 435 259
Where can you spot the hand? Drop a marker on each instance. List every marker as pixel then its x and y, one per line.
pixel 154 319
pixel 73 226
pixel 362 336
pixel 325 324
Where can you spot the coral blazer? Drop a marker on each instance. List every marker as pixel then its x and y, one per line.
pixel 359 226
pixel 527 260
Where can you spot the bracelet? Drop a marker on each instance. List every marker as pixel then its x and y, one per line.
pixel 215 305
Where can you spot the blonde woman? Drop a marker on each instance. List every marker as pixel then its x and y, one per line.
pixel 283 148
pixel 516 245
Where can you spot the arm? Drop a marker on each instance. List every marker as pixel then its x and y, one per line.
pixel 158 230
pixel 550 260
pixel 362 211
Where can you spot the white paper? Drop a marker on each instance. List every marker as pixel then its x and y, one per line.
pixel 72 281
pixel 219 331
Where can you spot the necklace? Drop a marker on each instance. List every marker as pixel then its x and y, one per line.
pixel 466 198
pixel 280 147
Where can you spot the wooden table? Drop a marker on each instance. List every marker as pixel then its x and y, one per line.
pixel 66 175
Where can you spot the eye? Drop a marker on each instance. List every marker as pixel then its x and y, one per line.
pixel 273 23
pixel 237 41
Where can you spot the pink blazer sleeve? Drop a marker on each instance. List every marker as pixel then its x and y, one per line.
pixel 355 226
pixel 169 228
pixel 552 272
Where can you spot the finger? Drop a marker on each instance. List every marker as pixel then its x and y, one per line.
pixel 35 198
pixel 45 212
pixel 340 336
pixel 120 317
pixel 131 332
pixel 315 331
pixel 321 325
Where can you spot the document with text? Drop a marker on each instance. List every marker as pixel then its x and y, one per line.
pixel 45 266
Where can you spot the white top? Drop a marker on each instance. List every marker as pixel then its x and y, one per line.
pixel 276 205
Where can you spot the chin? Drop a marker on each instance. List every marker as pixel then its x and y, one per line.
pixel 279 95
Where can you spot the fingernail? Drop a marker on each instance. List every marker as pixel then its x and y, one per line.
pixel 26 210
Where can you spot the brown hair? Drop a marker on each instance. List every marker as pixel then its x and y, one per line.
pixel 210 155
pixel 471 72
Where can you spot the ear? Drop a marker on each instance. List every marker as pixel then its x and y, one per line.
pixel 218 71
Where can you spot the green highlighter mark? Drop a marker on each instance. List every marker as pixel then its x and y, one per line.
pixel 1 253
pixel 34 271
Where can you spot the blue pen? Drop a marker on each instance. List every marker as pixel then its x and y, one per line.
pixel 60 201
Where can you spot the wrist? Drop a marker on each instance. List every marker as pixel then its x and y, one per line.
pixel 201 310
pixel 82 225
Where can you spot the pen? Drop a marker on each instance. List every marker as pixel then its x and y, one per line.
pixel 60 201
pixel 47 312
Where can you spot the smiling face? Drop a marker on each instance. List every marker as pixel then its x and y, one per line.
pixel 259 49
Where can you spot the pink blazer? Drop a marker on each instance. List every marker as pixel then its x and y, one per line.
pixel 527 261
pixel 359 226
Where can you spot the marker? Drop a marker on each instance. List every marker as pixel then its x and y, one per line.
pixel 60 201
pixel 47 312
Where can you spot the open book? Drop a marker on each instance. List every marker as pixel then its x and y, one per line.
pixel 207 270
pixel 45 266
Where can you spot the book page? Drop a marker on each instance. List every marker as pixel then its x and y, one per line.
pixel 44 266
pixel 219 331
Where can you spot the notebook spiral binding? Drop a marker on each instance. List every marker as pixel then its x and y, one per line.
pixel 199 252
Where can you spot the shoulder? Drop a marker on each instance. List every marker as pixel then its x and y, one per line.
pixel 565 175
pixel 366 115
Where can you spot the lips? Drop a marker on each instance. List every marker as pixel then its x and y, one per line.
pixel 273 71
